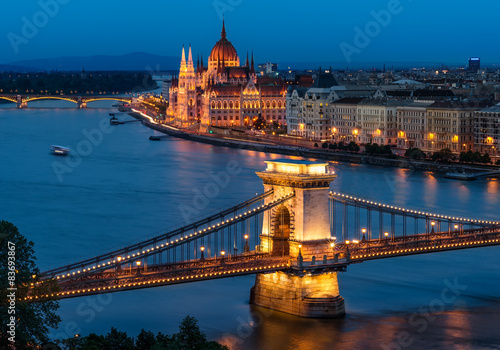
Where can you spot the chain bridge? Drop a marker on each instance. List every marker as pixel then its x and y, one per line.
pixel 295 237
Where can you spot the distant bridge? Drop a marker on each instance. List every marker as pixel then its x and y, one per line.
pixel 22 101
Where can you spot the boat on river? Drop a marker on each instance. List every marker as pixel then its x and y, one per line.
pixel 59 150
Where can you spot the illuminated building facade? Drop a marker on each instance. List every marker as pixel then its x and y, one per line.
pixel 224 93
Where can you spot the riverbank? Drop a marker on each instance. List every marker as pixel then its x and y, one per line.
pixel 305 152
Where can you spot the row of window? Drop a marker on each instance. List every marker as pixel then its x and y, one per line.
pixel 256 104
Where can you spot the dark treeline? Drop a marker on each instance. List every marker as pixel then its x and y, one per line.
pixel 82 83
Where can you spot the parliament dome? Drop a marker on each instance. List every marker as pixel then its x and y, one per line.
pixel 224 51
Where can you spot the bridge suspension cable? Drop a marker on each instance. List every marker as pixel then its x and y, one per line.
pixel 170 241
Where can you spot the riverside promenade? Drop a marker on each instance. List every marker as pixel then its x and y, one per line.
pixel 290 149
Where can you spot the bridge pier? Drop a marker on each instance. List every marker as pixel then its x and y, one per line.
pixel 80 103
pixel 21 103
pixel 299 229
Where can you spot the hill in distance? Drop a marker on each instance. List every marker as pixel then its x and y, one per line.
pixel 136 61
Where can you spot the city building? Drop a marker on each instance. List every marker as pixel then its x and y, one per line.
pixel 451 125
pixel 224 93
pixel 377 122
pixel 343 114
pixel 487 130
pixel 268 68
pixel 307 113
pixel 412 123
pixel 474 64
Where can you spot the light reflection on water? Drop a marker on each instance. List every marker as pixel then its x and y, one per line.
pixel 129 188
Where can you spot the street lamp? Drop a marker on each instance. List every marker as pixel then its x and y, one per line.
pixel 456 228
pixel 202 251
pixel 433 224
pixel 246 249
pixel 222 253
pixel 138 263
pixel 363 231
pixel 386 234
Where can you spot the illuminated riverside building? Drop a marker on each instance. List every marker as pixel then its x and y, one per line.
pixel 225 93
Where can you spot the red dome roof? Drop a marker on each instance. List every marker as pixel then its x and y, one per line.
pixel 223 50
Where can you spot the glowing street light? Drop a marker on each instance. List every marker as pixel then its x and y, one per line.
pixel 246 249
pixel 363 231
pixel 433 224
pixel 202 251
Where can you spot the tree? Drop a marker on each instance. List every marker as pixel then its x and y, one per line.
pixel 486 159
pixel 415 153
pixel 316 145
pixel 444 155
pixel 118 340
pixel 259 123
pixel 353 147
pixel 332 146
pixel 324 145
pixel 191 338
pixel 145 340
pixel 33 319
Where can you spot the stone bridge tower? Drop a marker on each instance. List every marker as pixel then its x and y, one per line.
pixel 300 229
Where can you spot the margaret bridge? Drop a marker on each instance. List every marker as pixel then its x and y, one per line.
pixel 295 237
pixel 22 101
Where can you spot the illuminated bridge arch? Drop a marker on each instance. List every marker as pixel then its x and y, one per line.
pixel 36 98
pixel 87 100
pixel 9 98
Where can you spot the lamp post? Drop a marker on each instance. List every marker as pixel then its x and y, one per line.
pixel 138 263
pixel 363 231
pixel 246 249
pixel 300 259
pixel 222 253
pixel 433 223
pixel 386 234
pixel 202 251
pixel 456 229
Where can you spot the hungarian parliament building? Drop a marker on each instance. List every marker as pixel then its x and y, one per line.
pixel 225 93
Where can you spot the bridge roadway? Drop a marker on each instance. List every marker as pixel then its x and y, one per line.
pixel 121 279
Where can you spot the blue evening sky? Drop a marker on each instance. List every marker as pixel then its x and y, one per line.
pixel 445 31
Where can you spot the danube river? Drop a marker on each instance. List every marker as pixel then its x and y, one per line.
pixel 124 187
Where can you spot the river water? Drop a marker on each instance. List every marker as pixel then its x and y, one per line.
pixel 123 188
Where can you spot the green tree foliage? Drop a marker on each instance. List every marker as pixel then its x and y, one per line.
pixel 52 83
pixel 444 155
pixel 145 340
pixel 33 319
pixel 415 153
pixel 353 147
pixel 376 149
pixel 189 337
pixel 259 123
pixel 474 157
